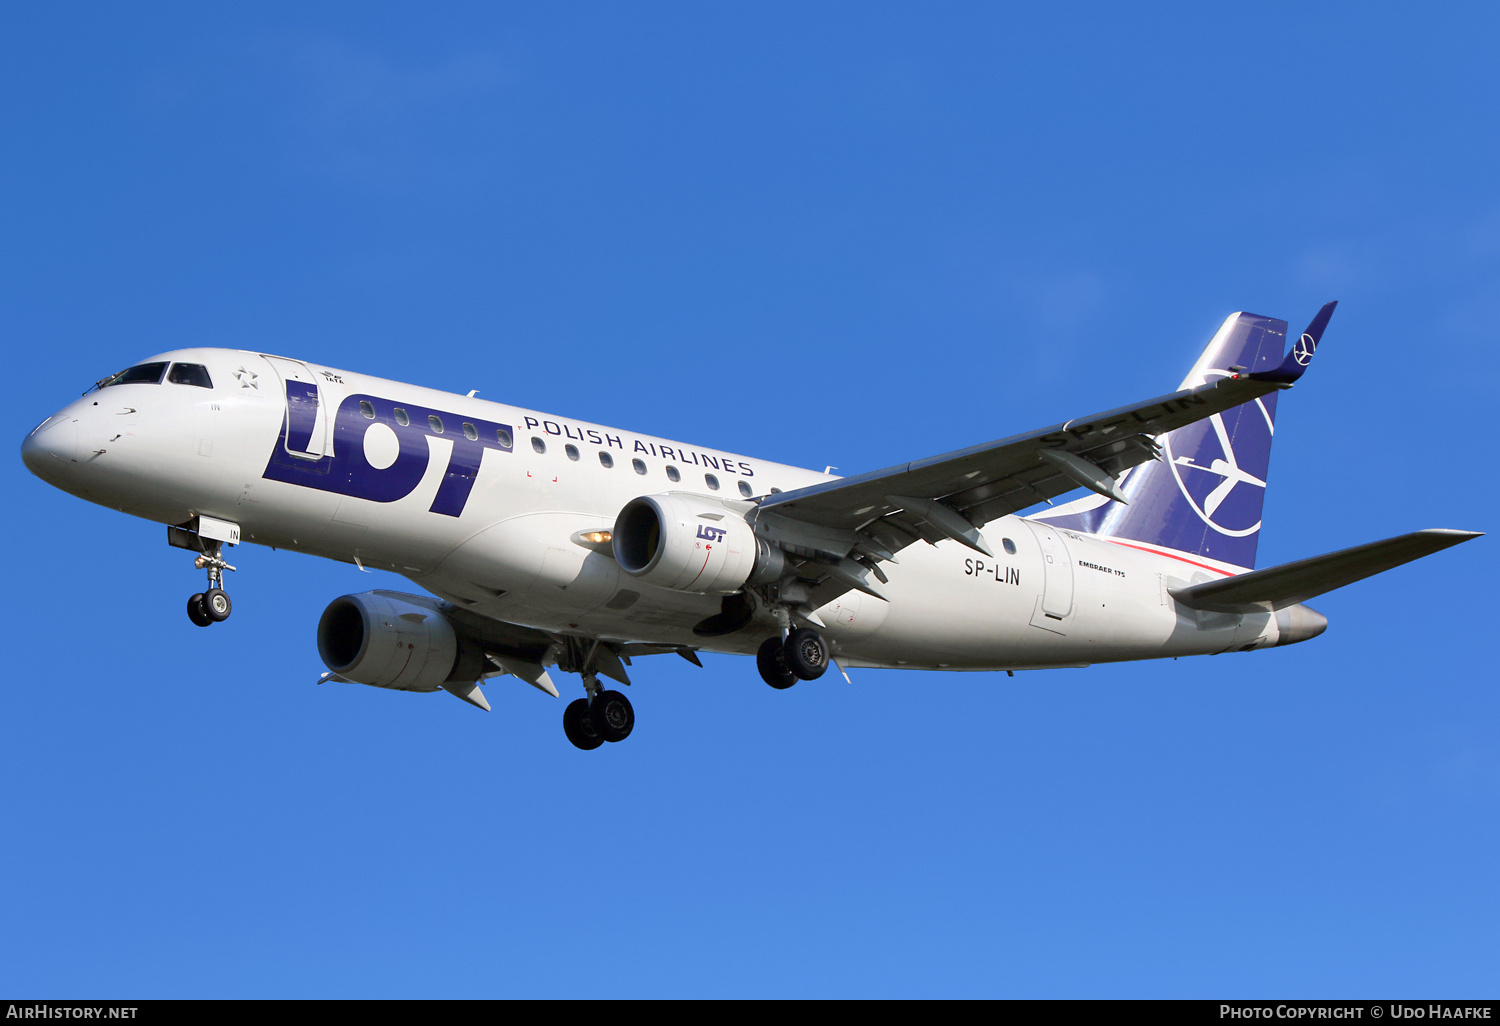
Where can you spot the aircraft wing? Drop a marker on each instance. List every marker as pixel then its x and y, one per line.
pixel 853 523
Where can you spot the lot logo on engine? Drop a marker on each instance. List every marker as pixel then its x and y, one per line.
pixel 712 534
pixel 300 456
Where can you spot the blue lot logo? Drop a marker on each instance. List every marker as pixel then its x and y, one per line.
pixel 1228 456
pixel 712 534
pixel 298 460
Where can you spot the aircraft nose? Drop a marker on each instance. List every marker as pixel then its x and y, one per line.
pixel 52 447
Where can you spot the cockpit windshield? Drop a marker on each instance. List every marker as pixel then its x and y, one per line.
pixel 140 374
pixel 151 374
pixel 190 374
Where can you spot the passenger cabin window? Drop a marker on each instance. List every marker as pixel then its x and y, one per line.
pixel 572 451
pixel 190 374
pixel 745 489
pixel 639 466
pixel 503 437
pixel 711 481
pixel 673 474
pixel 141 374
pixel 402 418
pixel 436 423
pixel 606 460
pixel 537 445
pixel 366 409
pixel 1008 545
pixel 775 491
pixel 471 432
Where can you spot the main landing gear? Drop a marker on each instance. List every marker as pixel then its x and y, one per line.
pixel 602 716
pixel 212 605
pixel 801 655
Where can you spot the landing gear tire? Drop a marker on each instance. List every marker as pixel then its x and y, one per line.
pixel 772 669
pixel 197 613
pixel 612 716
pixel 216 605
pixel 578 726
pixel 806 653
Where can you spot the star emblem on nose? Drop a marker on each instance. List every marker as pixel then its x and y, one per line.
pixel 247 378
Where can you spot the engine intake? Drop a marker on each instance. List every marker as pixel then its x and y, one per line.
pixel 389 640
pixel 686 544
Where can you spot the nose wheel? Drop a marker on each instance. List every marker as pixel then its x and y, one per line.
pixel 212 605
pixel 196 612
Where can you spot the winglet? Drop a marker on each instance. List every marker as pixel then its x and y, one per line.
pixel 1301 355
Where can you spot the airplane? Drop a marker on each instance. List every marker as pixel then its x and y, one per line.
pixel 546 542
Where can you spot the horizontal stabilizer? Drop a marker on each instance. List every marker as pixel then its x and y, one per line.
pixel 1281 586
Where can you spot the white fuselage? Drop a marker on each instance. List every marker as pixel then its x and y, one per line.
pixel 507 544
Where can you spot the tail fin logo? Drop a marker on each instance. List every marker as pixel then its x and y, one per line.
pixel 1211 477
pixel 1303 351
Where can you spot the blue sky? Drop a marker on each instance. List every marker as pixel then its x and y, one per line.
pixel 845 234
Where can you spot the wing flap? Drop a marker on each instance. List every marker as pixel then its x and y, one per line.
pixel 1278 587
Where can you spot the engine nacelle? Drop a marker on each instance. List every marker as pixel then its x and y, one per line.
pixel 389 640
pixel 687 544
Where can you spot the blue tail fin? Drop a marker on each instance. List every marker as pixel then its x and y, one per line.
pixel 1205 495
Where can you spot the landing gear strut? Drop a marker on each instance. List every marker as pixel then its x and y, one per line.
pixel 803 655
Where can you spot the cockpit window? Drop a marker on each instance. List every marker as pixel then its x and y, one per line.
pixel 140 374
pixel 190 374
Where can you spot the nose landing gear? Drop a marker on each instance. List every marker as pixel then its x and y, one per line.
pixel 211 605
pixel 206 536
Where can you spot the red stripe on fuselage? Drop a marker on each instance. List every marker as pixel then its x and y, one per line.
pixel 1181 559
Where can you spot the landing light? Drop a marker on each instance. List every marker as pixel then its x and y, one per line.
pixel 599 541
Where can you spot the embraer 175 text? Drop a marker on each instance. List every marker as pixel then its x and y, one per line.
pixel 551 542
